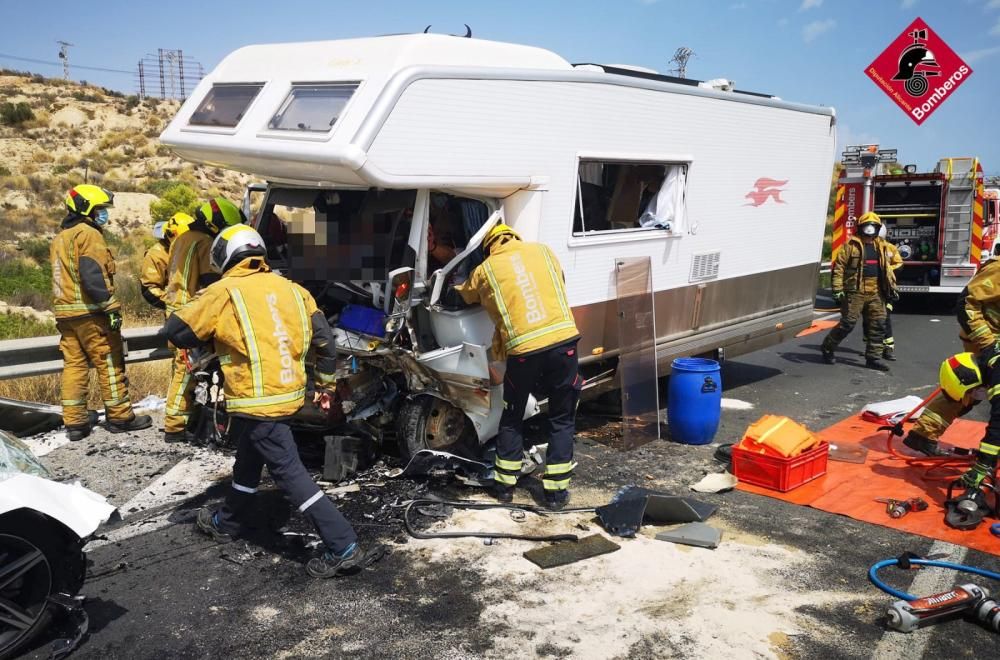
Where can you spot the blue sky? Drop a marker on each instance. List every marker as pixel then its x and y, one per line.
pixel 811 51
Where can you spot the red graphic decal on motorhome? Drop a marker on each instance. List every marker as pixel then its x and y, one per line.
pixel 765 189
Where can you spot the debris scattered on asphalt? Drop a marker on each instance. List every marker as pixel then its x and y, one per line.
pixel 560 554
pixel 697 534
pixel 624 514
pixel 715 482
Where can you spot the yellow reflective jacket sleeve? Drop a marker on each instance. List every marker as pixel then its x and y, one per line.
pixel 153 277
pixel 189 268
pixel 206 312
pixel 837 281
pixel 982 306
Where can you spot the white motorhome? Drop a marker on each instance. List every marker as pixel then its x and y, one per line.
pixel 387 159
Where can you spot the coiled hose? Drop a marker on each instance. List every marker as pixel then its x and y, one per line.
pixel 874 578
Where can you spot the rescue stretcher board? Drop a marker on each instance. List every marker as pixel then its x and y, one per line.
pixel 850 489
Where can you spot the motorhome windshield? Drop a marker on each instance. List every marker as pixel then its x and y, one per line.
pixel 337 235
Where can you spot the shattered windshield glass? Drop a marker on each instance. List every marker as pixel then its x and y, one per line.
pixel 16 458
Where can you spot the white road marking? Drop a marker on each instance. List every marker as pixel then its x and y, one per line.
pixel 190 477
pixel 928 581
pixel 736 404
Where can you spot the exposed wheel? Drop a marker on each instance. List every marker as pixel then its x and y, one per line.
pixel 426 422
pixel 35 562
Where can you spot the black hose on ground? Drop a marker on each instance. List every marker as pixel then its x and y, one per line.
pixel 468 504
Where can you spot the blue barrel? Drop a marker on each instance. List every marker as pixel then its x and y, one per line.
pixel 694 403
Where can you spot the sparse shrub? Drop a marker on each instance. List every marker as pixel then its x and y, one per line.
pixel 15 326
pixel 4 171
pixel 179 197
pixel 42 156
pixel 15 114
pixel 36 248
pixel 26 284
pixel 131 102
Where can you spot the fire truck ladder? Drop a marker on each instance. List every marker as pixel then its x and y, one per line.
pixel 961 176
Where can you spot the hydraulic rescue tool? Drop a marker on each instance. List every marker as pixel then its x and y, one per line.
pixel 968 600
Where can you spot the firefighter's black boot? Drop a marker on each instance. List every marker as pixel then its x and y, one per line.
pixel 876 364
pixel 923 444
pixel 504 494
pixel 889 352
pixel 828 355
pixel 137 423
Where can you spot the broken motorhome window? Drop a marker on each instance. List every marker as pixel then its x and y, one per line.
pixel 312 108
pixel 225 105
pixel 337 235
pixel 615 196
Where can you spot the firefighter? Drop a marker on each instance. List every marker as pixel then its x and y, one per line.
pixel 153 277
pixel 261 325
pixel 189 271
pixel 895 263
pixel 978 313
pixel 88 316
pixel 965 378
pixel 863 280
pixel 521 285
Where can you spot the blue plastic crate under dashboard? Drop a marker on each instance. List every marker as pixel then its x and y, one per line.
pixel 363 320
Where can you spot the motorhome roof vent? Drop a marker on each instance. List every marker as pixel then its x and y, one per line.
pixel 705 266
pixel 720 84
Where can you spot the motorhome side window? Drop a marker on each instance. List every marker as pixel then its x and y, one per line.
pixel 312 108
pixel 225 105
pixel 616 196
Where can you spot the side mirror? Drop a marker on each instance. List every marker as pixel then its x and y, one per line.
pixel 398 292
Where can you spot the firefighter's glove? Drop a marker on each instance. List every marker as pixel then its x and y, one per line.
pixel 888 307
pixel 115 321
pixel 838 296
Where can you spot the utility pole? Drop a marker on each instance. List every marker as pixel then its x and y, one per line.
pixel 680 60
pixel 64 56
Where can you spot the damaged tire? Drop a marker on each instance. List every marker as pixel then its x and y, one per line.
pixel 426 422
pixel 36 560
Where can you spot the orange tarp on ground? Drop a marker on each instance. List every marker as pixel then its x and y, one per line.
pixel 817 326
pixel 850 489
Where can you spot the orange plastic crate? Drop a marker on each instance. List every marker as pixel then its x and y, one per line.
pixel 781 474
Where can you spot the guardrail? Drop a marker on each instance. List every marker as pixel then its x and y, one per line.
pixel 40 355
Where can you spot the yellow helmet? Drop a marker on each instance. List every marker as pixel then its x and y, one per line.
pixel 83 199
pixel 218 213
pixel 177 225
pixel 871 218
pixel 959 375
pixel 493 235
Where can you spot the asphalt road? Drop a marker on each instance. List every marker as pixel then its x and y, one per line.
pixel 169 592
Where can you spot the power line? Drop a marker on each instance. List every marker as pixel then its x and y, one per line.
pixel 75 66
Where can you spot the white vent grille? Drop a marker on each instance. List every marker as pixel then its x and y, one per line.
pixel 705 266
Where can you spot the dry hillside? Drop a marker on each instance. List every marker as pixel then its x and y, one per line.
pixel 55 134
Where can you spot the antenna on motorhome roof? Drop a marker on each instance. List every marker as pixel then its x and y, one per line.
pixel 680 59
pixel 467 35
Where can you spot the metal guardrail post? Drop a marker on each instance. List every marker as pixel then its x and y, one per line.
pixel 35 356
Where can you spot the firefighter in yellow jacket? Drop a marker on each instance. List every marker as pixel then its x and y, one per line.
pixel 189 271
pixel 863 281
pixel 153 273
pixel 978 314
pixel 261 326
pixel 88 316
pixel 521 285
pixel 156 260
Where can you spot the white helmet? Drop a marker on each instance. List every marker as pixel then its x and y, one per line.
pixel 158 230
pixel 233 244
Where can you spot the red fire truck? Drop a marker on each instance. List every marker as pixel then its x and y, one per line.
pixel 943 222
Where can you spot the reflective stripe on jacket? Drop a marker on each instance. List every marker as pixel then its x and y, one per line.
pixel 83 271
pixel 521 286
pixel 261 325
pixel 189 268
pixel 979 311
pixel 153 276
pixel 848 270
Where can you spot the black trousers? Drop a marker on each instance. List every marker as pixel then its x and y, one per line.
pixel 552 372
pixel 261 442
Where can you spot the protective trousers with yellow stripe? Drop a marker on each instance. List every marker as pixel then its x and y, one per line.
pixel 942 411
pixel 85 342
pixel 180 396
pixel 550 372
